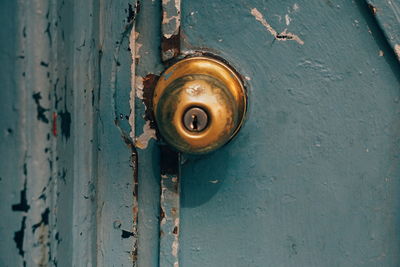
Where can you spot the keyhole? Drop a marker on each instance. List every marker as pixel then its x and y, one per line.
pixel 195 119
pixel 194 122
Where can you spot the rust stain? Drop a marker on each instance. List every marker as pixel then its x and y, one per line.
pixel 149 83
pixel 132 47
pixel 54 127
pixel 171 47
pixel 149 132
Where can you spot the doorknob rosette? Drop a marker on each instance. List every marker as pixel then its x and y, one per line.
pixel 199 105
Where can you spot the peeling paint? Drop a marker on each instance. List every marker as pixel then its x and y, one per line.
pixel 40 109
pixel 148 133
pixel 126 234
pixel 43 221
pixel 23 205
pixel 170 27
pixel 139 87
pixel 175 243
pixel 132 45
pixel 19 237
pixel 144 88
pixel 169 207
pixel 283 36
pixel 169 223
pixel 132 11
pixel 136 46
pixel 135 207
pixel 130 35
pixel 167 20
pixel 171 23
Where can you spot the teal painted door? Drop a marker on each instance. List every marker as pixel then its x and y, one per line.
pixel 311 179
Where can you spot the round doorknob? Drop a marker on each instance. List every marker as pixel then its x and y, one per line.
pixel 199 105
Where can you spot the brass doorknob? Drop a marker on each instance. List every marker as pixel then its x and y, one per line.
pixel 199 104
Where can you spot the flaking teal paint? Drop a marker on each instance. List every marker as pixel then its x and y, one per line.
pixel 67 172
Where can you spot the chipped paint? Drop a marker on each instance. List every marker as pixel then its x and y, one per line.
pixel 170 27
pixel 148 133
pixel 137 47
pixel 144 87
pixel 387 14
pixel 397 51
pixel 175 243
pixel 41 116
pixel 170 208
pixel 171 23
pixel 56 98
pixel 287 19
pixel 132 45
pixel 167 20
pixel 283 36
pixel 169 223
pixel 139 87
pixel 134 49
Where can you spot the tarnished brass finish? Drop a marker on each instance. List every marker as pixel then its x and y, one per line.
pixel 206 84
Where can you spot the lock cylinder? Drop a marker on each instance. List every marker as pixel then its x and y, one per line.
pixel 199 105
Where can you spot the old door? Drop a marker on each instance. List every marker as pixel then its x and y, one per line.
pixel 311 178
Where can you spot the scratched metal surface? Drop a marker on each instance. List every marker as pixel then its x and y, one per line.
pixel 313 177
pixel 67 169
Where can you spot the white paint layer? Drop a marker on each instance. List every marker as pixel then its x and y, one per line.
pixel 139 87
pixel 148 133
